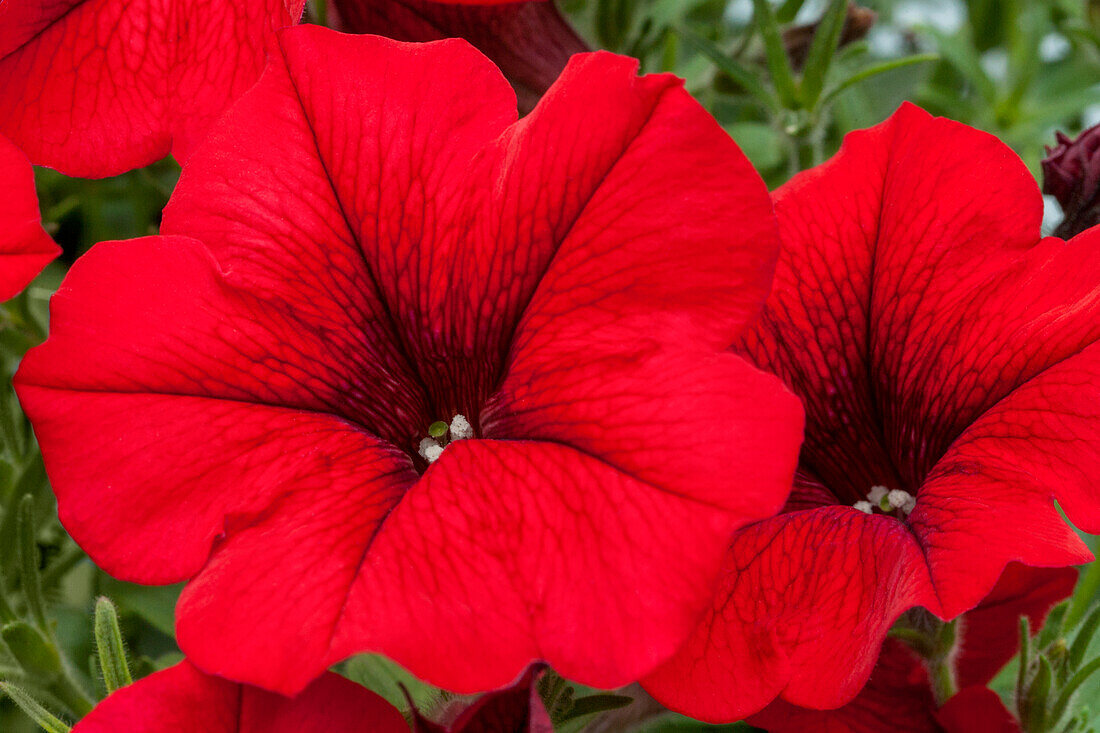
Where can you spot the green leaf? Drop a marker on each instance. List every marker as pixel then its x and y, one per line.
pixel 1061 705
pixel 958 51
pixel 7 613
pixel 745 77
pixel 789 9
pixel 593 704
pixel 762 144
pixel 1084 637
pixel 1052 629
pixel 28 562
pixel 44 718
pixel 613 21
pixel 1025 661
pixel 874 70
pixel 108 641
pixel 779 64
pixel 35 653
pixel 1034 714
pixel 1088 588
pixel 384 677
pixel 154 604
pixel 820 56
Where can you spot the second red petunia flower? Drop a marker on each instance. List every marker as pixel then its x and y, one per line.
pixel 411 376
pixel 947 357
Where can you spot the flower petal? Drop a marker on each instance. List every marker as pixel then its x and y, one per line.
pixel 624 208
pixel 501 554
pixel 801 593
pixel 181 699
pixel 717 430
pixel 988 501
pixel 976 708
pixel 236 397
pixel 96 87
pixel 897 697
pixel 529 41
pixel 25 248
pixel 378 201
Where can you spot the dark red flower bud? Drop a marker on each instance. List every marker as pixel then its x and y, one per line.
pixel 529 41
pixel 1071 174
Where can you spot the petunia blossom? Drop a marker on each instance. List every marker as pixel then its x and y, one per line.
pixel 946 355
pixel 403 374
pixel 530 41
pixel 181 699
pixel 97 87
pixel 898 695
pixel 25 248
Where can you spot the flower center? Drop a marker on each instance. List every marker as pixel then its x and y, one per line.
pixel 441 434
pixel 895 502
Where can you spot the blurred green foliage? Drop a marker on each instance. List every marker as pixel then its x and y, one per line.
pixel 1019 69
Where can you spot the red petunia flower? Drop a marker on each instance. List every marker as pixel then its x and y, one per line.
pixel 898 695
pixel 947 358
pixel 529 41
pixel 414 377
pixel 181 699
pixel 97 87
pixel 25 248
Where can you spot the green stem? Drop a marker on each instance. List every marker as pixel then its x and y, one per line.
pixel 320 11
pixel 7 612
pixel 941 666
pixel 29 576
pixel 942 675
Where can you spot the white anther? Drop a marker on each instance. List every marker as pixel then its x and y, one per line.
pixel 876 493
pixel 863 506
pixel 898 498
pixel 461 428
pixel 909 505
pixel 430 450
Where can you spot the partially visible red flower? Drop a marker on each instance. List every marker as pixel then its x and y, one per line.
pixel 898 695
pixel 97 87
pixel 181 699
pixel 369 247
pixel 947 357
pixel 25 248
pixel 517 708
pixel 530 41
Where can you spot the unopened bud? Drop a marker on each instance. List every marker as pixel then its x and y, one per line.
pixel 1071 174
